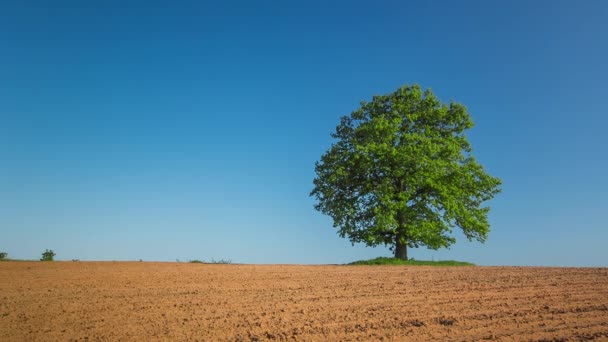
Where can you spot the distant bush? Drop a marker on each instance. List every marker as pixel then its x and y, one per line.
pixel 48 255
pixel 3 255
pixel 196 261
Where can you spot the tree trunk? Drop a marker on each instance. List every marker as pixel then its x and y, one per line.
pixel 400 249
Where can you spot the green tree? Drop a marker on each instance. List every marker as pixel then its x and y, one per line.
pixel 3 255
pixel 48 255
pixel 401 174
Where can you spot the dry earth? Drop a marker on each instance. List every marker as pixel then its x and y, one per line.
pixel 112 301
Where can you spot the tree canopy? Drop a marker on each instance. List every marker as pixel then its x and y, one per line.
pixel 401 173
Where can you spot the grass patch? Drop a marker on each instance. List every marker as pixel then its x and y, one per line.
pixel 411 262
pixel 213 261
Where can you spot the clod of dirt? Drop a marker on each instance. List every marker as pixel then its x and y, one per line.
pixel 446 321
pixel 416 323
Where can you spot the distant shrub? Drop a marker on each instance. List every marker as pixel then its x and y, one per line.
pixel 196 261
pixel 48 255
pixel 3 255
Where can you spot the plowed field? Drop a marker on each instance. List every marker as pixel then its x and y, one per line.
pixel 109 301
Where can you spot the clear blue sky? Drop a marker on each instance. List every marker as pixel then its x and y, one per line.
pixel 183 130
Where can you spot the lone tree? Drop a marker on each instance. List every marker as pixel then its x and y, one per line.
pixel 48 255
pixel 401 174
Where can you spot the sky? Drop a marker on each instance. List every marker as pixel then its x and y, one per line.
pixel 189 130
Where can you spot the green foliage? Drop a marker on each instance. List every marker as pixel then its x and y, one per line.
pixel 3 256
pixel 401 174
pixel 48 255
pixel 197 261
pixel 397 261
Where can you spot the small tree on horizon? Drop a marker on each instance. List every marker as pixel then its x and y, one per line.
pixel 3 255
pixel 401 174
pixel 48 255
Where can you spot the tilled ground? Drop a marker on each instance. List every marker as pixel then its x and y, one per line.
pixel 186 302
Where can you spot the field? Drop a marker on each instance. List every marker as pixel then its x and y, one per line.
pixel 111 301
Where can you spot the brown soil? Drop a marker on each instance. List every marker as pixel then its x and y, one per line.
pixel 187 302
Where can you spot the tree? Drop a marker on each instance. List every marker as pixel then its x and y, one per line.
pixel 48 255
pixel 401 174
pixel 3 255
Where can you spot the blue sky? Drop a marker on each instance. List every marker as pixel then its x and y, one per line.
pixel 183 130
